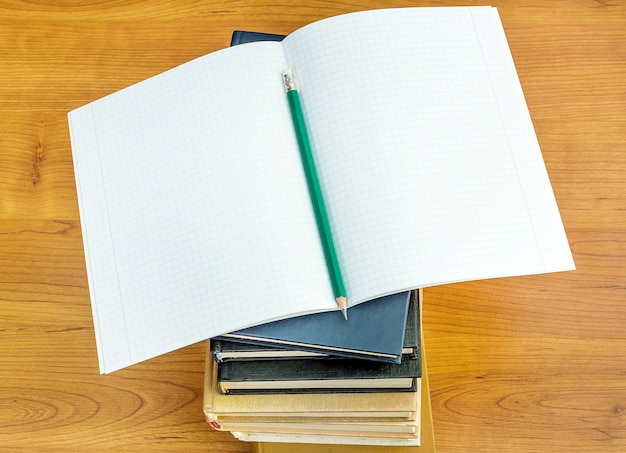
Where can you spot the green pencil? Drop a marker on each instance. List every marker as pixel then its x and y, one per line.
pixel 315 192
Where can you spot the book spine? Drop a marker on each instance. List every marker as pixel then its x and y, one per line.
pixel 316 368
pixel 323 390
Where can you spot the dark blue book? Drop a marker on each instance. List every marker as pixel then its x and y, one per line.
pixel 384 329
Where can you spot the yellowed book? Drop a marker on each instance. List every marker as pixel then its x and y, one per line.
pixel 285 443
pixel 400 405
pixel 328 436
pixel 326 443
pixel 226 419
pixel 406 429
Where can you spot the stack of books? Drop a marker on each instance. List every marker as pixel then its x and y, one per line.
pixel 282 382
pixel 319 379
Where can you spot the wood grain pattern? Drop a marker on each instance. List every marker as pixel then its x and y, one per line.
pixel 527 364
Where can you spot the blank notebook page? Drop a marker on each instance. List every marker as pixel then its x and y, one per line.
pixel 426 152
pixel 194 209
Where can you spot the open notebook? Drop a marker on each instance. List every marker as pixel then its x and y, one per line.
pixel 194 209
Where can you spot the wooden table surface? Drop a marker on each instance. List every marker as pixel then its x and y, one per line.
pixel 521 364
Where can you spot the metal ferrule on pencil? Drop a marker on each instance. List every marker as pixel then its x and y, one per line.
pixel 288 79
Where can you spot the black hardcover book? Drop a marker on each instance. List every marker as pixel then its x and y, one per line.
pixel 243 37
pixel 328 375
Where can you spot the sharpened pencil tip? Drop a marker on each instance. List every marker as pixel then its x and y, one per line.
pixel 343 304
